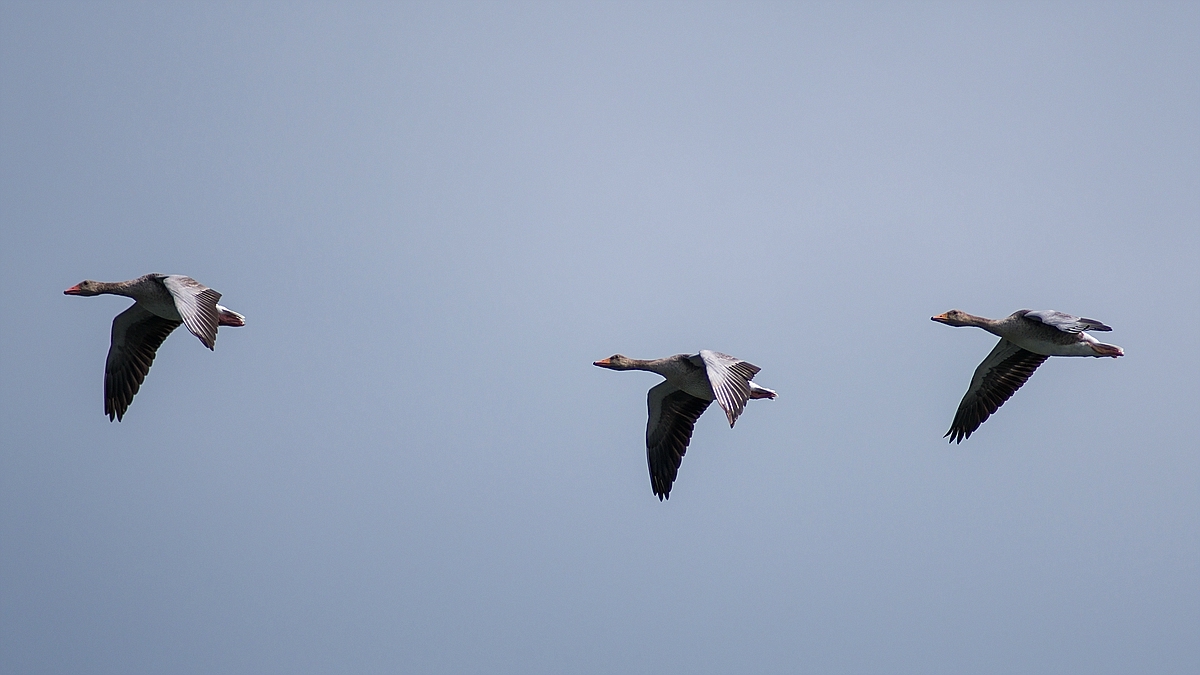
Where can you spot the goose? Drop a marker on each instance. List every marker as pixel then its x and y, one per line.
pixel 1027 339
pixel 692 383
pixel 163 301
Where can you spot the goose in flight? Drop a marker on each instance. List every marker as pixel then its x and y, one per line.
pixel 163 301
pixel 1027 339
pixel 692 383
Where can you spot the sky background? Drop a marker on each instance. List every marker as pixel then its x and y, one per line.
pixel 436 216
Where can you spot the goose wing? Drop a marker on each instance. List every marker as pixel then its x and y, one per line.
pixel 1067 323
pixel 197 304
pixel 1001 374
pixel 730 379
pixel 673 415
pixel 136 336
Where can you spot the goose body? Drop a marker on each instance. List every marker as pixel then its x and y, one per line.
pixel 1027 339
pixel 692 383
pixel 162 303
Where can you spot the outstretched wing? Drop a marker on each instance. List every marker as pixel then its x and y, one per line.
pixel 1001 374
pixel 730 379
pixel 197 304
pixel 673 415
pixel 136 336
pixel 1067 323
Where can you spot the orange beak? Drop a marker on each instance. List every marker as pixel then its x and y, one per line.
pixel 604 363
pixel 940 318
pixel 74 290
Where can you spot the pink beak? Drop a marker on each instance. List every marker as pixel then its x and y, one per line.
pixel 74 290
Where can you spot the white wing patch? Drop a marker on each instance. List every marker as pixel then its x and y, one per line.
pixel 197 306
pixel 730 379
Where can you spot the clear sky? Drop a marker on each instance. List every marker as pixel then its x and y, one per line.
pixel 436 216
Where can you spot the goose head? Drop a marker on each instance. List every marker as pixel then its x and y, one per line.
pixel 87 287
pixel 615 362
pixel 954 317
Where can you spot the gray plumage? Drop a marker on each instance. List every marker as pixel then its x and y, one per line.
pixel 1027 339
pixel 162 303
pixel 673 406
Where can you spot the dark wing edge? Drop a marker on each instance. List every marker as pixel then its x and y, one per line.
pixel 672 417
pixel 136 336
pixel 1000 375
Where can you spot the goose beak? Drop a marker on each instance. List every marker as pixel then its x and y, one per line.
pixel 603 363
pixel 940 318
pixel 74 290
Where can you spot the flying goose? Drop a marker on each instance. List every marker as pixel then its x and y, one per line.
pixel 163 301
pixel 692 383
pixel 1027 339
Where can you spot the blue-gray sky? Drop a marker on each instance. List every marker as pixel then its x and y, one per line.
pixel 435 216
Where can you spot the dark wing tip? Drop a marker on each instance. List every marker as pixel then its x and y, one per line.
pixel 115 408
pixel 957 435
pixel 661 486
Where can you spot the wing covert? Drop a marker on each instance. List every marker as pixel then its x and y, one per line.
pixel 1067 323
